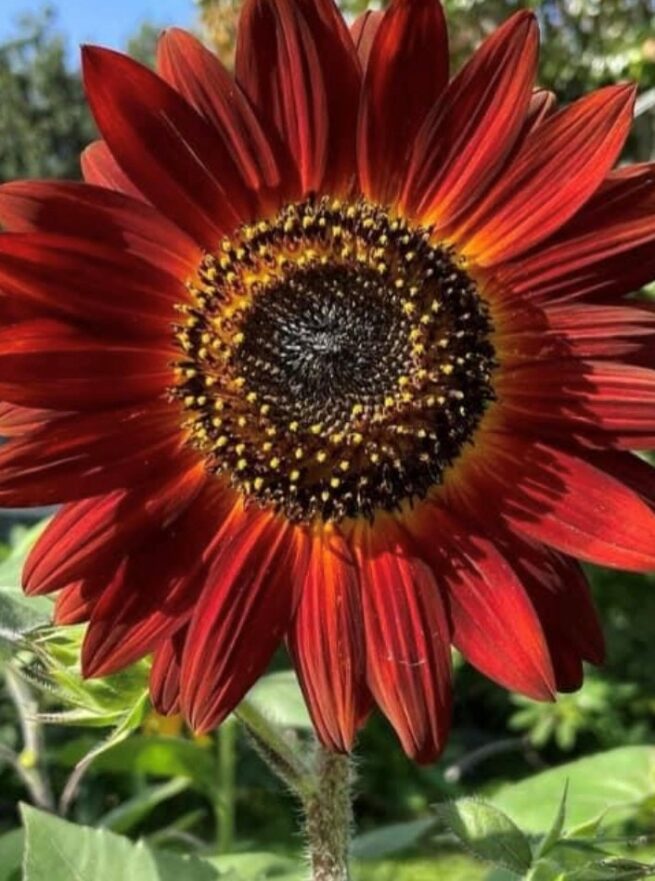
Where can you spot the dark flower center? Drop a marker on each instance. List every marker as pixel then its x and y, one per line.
pixel 334 361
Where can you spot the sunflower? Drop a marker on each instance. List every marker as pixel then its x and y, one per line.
pixel 334 352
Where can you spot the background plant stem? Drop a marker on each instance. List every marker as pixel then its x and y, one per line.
pixel 225 795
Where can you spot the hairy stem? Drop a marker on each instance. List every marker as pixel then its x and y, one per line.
pixel 328 817
pixel 29 764
pixel 321 780
pixel 279 750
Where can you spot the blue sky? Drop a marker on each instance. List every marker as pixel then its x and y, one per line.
pixel 109 22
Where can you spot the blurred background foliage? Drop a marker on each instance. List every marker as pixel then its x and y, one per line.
pixel 213 795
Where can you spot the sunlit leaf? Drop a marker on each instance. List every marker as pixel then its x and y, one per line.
pixel 618 782
pixel 11 850
pixel 279 697
pixel 56 850
pixel 487 833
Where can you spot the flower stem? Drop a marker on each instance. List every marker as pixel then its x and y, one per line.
pixel 279 750
pixel 328 817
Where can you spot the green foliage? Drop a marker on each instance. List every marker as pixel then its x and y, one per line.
pixel 59 851
pixel 487 833
pixel 18 614
pixel 615 784
pixel 44 122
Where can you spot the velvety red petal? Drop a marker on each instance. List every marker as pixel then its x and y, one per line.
pixel 74 604
pixel 606 251
pixel 75 456
pixel 199 76
pixel 524 332
pixel 170 152
pixel 628 469
pixel 96 532
pixel 407 71
pixel 613 401
pixel 165 675
pixel 92 284
pixel 46 363
pixel 494 623
pixel 363 31
pixel 99 167
pixel 557 498
pixel 560 594
pixel 407 641
pixel 17 421
pixel 560 165
pixel 155 588
pixel 472 129
pixel 326 640
pixel 93 214
pixel 297 63
pixel 241 616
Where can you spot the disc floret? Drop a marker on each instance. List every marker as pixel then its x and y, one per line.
pixel 334 360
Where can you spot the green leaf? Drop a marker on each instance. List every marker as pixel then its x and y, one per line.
pixel 56 850
pixel 612 870
pixel 11 850
pixel 279 698
pixel 620 780
pixel 391 839
pixel 18 613
pixel 487 833
pixel 131 812
pixel 259 866
pixel 555 833
pixel 157 756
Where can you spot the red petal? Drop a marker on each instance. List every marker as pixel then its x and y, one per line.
pixel 75 602
pixel 165 675
pixel 634 472
pixel 166 148
pixel 17 421
pixel 495 625
pixel 605 251
pixel 297 63
pixel 98 532
pixel 198 75
pixel 471 131
pixel 78 455
pixel 46 363
pixel 92 214
pixel 525 332
pixel 613 401
pixel 560 165
pixel 363 32
pixel 99 167
pixel 93 284
pixel 407 641
pixel 156 587
pixel 327 642
pixel 408 69
pixel 556 498
pixel 560 594
pixel 241 617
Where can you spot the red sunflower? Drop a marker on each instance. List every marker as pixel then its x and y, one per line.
pixel 334 351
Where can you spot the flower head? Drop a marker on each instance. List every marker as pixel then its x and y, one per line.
pixel 334 351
